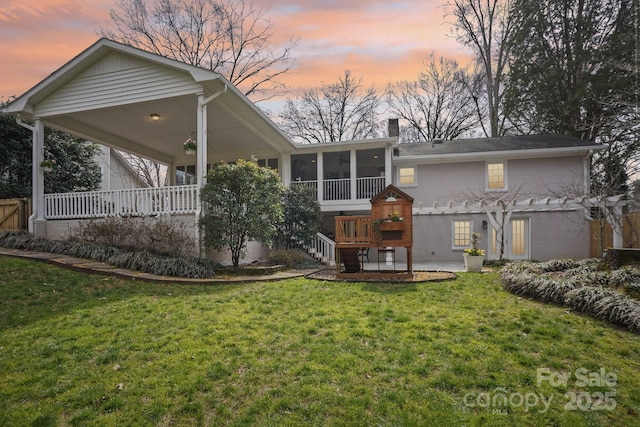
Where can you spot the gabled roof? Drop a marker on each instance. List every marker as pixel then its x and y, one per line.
pixel 391 190
pixel 71 69
pixel 511 146
pixel 108 92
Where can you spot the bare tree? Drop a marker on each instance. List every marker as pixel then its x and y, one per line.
pixel 498 206
pixel 486 26
pixel 153 174
pixel 341 111
pixel 231 37
pixel 439 105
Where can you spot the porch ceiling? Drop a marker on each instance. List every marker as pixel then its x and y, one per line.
pixel 130 128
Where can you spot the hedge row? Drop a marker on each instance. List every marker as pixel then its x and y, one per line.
pixel 585 286
pixel 192 268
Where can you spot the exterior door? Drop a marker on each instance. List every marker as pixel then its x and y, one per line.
pixel 517 241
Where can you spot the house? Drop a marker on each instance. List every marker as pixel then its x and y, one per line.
pixel 117 173
pixel 148 105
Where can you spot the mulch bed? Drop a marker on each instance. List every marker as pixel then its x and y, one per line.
pixel 418 276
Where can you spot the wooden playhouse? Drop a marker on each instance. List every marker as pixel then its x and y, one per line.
pixel 387 229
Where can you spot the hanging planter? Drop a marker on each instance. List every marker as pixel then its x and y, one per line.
pixel 48 165
pixel 190 146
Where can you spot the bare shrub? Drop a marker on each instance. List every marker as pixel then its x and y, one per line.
pixel 161 235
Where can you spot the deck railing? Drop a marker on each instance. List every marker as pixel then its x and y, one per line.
pixel 181 199
pixel 354 229
pixel 340 189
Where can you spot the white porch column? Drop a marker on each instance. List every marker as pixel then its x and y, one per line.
pixel 201 164
pixel 201 151
pixel 37 221
pixel 353 173
pixel 285 169
pixel 320 175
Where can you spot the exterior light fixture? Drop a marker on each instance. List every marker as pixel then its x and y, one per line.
pixel 154 117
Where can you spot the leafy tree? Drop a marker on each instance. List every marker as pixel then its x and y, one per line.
pixel 243 202
pixel 485 26
pixel 231 37
pixel 76 168
pixel 302 217
pixel 439 105
pixel 340 111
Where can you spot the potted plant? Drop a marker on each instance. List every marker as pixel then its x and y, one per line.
pixel 473 256
pixel 48 165
pixel 190 146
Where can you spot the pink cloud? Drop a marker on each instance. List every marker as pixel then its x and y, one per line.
pixel 381 41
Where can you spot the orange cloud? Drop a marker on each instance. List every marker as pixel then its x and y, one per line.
pixel 382 41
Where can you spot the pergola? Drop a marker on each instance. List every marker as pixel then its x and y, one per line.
pixel 147 105
pixel 500 211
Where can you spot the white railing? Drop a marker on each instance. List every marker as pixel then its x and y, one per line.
pixel 181 199
pixel 337 189
pixel 323 249
pixel 340 189
pixel 367 188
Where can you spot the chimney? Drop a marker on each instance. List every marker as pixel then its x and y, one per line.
pixel 394 128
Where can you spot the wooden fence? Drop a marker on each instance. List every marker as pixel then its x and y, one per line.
pixel 602 234
pixel 14 214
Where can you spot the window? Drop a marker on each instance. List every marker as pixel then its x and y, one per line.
pixel 495 176
pixel 270 163
pixel 461 234
pixel 407 176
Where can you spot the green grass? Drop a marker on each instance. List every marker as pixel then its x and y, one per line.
pixel 79 349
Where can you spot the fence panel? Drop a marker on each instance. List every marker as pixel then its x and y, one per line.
pixel 602 234
pixel 14 214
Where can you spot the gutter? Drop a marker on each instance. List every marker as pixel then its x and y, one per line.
pixel 481 155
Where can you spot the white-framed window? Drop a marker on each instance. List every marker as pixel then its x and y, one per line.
pixel 496 176
pixel 407 175
pixel 461 234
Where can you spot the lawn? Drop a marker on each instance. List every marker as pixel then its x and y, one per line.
pixel 78 349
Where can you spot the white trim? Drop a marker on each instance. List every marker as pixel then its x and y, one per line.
pixel 493 155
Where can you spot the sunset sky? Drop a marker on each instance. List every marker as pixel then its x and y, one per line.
pixel 382 41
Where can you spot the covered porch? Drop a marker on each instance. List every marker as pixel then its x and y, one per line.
pixel 146 105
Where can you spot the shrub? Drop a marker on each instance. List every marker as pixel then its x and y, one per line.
pixel 193 268
pixel 161 235
pixel 291 258
pixel 581 285
pixel 606 304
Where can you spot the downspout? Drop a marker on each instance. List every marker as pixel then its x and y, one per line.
pixel 35 181
pixel 201 162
